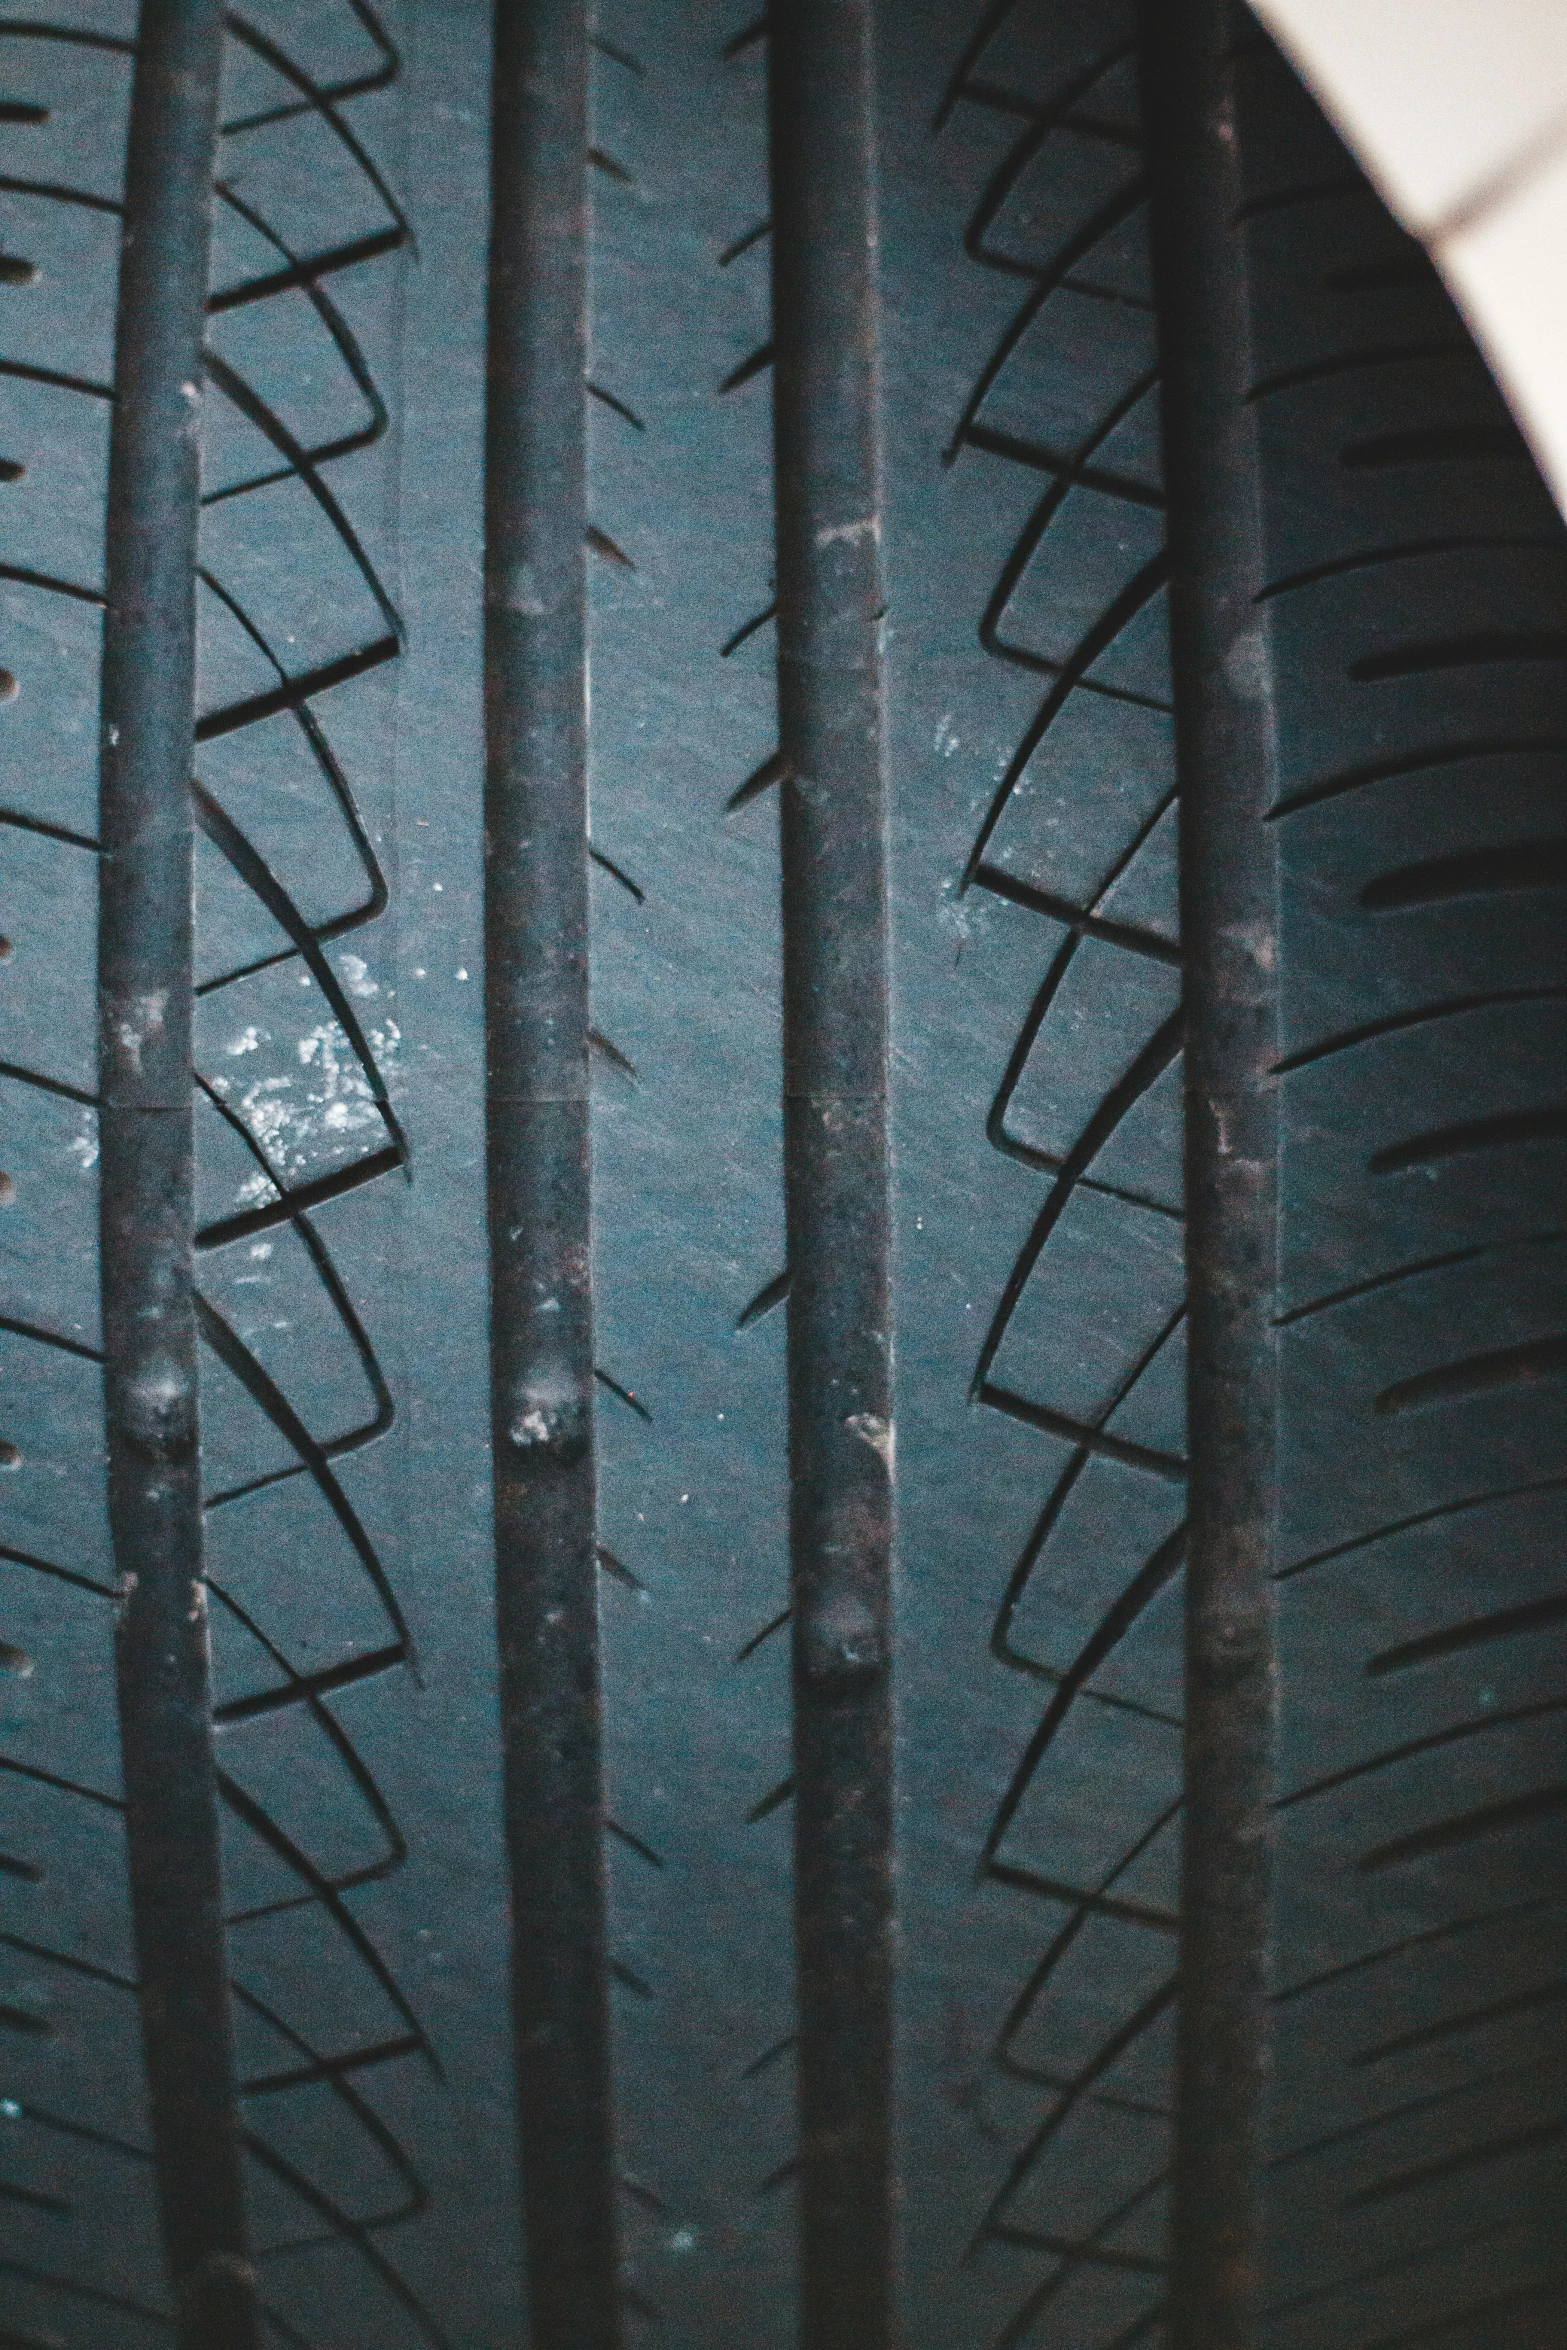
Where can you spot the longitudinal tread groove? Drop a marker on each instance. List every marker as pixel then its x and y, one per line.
pixel 537 1042
pixel 148 720
pixel 1404 552
pixel 349 1054
pixel 1225 744
pixel 1427 587
pixel 832 836
pixel 1009 2088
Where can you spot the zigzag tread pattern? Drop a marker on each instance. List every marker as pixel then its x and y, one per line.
pixel 1412 617
pixel 299 1149
pixel 1084 1342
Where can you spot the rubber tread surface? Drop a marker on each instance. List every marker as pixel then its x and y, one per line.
pixel 1415 634
pixel 325 1667
pixel 1414 654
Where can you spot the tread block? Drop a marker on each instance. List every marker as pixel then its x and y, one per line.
pixel 1106 1777
pixel 1457 650
pixel 1445 888
pixel 1039 51
pixel 1099 774
pixel 1406 1140
pixel 1067 380
pixel 1110 1521
pixel 1342 486
pixel 1093 550
pixel 1108 1280
pixel 53 511
pixel 1076 175
pixel 47 990
pixel 1100 1016
pixel 49 1236
pixel 51 647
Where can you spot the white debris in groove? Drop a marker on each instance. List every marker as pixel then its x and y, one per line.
pixel 356 976
pixel 873 1430
pixel 298 1121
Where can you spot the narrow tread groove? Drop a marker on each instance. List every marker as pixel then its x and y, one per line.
pixel 1225 758
pixel 616 406
pixel 1458 2322
pixel 1380 558
pixel 757 1639
pixel 746 630
pixel 1069 866
pixel 1525 865
pixel 1481 1374
pixel 145 1130
pixel 1387 1280
pixel 1535 1615
pixel 830 607
pixel 772 770
pixel 773 1800
pixel 1139 1594
pixel 538 1044
pixel 1414 762
pixel 756 363
pixel 1447 2166
pixel 1479 1726
pixel 1472 2019
pixel 1396 1023
pixel 1458 652
pixel 1500 1132
pixel 1485 1499
pixel 1488 1819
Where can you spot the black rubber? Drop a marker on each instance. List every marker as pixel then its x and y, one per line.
pixel 146 1208
pixel 537 1154
pixel 641 1796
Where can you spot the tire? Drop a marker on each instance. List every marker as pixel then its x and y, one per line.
pixel 546 1706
